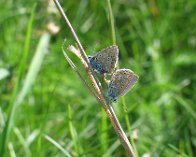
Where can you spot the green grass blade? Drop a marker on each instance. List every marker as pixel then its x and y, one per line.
pixel 12 104
pixel 128 124
pixel 111 22
pixel 34 67
pixel 64 151
pixel 72 131
pixel 104 132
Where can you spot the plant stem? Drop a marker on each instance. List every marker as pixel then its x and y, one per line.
pixel 90 72
pixel 111 22
pixel 105 104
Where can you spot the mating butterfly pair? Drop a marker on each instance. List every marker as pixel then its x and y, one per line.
pixel 122 80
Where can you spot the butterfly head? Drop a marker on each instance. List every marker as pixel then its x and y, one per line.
pixel 90 57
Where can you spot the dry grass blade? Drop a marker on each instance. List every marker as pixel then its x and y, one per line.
pixel 100 96
pixel 79 74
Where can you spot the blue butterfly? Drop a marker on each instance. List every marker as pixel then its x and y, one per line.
pixel 120 83
pixel 106 60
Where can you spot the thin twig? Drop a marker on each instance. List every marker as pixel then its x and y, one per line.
pixel 103 101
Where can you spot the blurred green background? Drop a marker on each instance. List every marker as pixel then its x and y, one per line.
pixel 45 110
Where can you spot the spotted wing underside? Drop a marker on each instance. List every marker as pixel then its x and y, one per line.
pixel 107 58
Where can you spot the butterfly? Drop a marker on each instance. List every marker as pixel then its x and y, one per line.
pixel 120 83
pixel 106 60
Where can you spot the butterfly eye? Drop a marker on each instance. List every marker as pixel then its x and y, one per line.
pixel 114 100
pixel 90 57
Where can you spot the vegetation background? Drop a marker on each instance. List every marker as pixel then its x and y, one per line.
pixel 45 110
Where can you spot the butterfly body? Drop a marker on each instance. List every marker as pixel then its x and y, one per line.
pixel 120 83
pixel 106 60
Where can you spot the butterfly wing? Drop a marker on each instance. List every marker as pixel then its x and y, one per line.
pixel 121 82
pixel 128 80
pixel 106 60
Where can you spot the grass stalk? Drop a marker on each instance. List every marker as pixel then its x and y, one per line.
pixel 112 23
pixel 129 127
pixel 79 74
pixel 97 86
pixel 72 131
